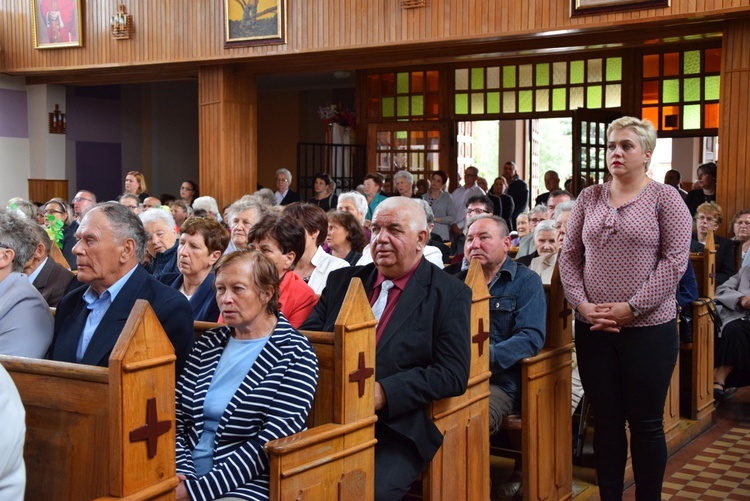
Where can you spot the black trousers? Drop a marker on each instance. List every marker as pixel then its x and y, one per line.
pixel 397 467
pixel 626 377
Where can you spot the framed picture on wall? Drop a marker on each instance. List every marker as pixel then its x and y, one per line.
pixel 251 22
pixel 589 7
pixel 57 23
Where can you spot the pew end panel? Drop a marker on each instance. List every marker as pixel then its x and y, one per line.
pixel 335 457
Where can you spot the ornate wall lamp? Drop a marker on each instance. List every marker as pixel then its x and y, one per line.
pixel 58 124
pixel 121 25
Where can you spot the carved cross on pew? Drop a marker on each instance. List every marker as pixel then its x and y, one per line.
pixel 363 372
pixel 480 337
pixel 565 313
pixel 152 429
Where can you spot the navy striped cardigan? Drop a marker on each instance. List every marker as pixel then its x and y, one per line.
pixel 273 401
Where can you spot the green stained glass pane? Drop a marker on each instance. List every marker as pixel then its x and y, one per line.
pixel 691 116
pixel 524 101
pixel 462 79
pixel 462 104
pixel 594 96
pixel 542 100
pixel 402 83
pixel 559 73
pixel 614 69
pixel 493 77
pixel 595 70
pixel 712 86
pixel 613 96
pixel 509 102
pixel 401 135
pixel 670 91
pixel 542 74
pixel 477 78
pixel 691 62
pixel 493 102
pixel 388 106
pixel 558 99
pixel 477 103
pixel 576 72
pixel 417 105
pixel 691 89
pixel 402 106
pixel 509 77
pixel 524 75
pixel 576 97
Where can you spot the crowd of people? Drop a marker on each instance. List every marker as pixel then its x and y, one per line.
pixel 269 264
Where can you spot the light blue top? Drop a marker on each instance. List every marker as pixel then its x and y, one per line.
pixel 38 270
pixel 236 360
pixel 98 306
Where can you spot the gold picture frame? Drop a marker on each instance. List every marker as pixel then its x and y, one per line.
pixel 591 7
pixel 254 22
pixel 57 24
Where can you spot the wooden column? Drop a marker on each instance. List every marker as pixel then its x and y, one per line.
pixel 228 139
pixel 733 177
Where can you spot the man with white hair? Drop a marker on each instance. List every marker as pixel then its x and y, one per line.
pixel 526 244
pixel 284 195
pixel 163 243
pixel 209 205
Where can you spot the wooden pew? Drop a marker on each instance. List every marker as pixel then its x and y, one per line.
pixel 545 423
pixel 102 433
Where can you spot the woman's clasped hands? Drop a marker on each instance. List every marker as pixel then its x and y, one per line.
pixel 608 317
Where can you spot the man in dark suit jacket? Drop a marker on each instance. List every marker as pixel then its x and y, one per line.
pixel 284 195
pixel 89 319
pixel 50 278
pixel 423 346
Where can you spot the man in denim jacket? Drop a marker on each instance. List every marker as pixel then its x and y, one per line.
pixel 518 311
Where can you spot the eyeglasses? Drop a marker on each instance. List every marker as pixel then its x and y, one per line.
pixel 706 218
pixel 477 211
pixel 742 223
pixel 50 212
pixel 81 199
pixel 535 220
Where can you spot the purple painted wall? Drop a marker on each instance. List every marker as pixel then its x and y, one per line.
pixel 14 118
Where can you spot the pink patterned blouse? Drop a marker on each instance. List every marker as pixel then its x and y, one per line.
pixel 636 252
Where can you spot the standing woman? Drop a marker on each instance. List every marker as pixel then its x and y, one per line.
pixel 189 192
pixel 707 191
pixel 626 247
pixel 135 184
pixel 442 205
pixel 324 197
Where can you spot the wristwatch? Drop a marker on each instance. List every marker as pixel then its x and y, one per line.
pixel 635 311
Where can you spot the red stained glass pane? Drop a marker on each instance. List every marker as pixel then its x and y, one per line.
pixel 671 64
pixel 417 82
pixel 713 60
pixel 711 116
pixel 432 105
pixel 433 81
pixel 373 108
pixel 651 92
pixel 651 66
pixel 388 84
pixel 373 85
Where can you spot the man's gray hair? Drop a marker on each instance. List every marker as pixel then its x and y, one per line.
pixel 17 233
pixel 286 173
pixel 405 174
pixel 207 204
pixel 546 225
pixel 360 202
pixel 538 209
pixel 42 237
pixel 153 215
pixel 564 207
pixel 125 224
pixel 500 222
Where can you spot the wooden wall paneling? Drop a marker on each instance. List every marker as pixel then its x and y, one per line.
pixel 41 190
pixel 733 183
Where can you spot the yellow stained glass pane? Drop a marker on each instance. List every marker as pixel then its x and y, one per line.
pixel 462 104
pixel 691 116
pixel 402 106
pixel 560 73
pixel 525 98
pixel 524 75
pixel 576 72
pixel 542 74
pixel 477 103
pixel 477 78
pixel 576 97
pixel 559 98
pixel 712 87
pixel 417 105
pixel 493 77
pixel 594 96
pixel 595 70
pixel 691 89
pixel 509 102
pixel 542 100
pixel 493 102
pixel 389 108
pixel 670 91
pixel 613 96
pixel 691 62
pixel 402 83
pixel 614 69
pixel 509 77
pixel 462 79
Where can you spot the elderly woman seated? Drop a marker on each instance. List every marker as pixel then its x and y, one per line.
pixel 242 216
pixel 245 384
pixel 162 244
pixel 708 216
pixel 201 244
pixel 732 352
pixel 741 230
pixel 545 239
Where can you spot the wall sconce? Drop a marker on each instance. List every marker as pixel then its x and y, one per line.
pixel 58 124
pixel 413 4
pixel 121 25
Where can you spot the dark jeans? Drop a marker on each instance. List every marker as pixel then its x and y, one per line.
pixel 626 377
pixel 397 467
